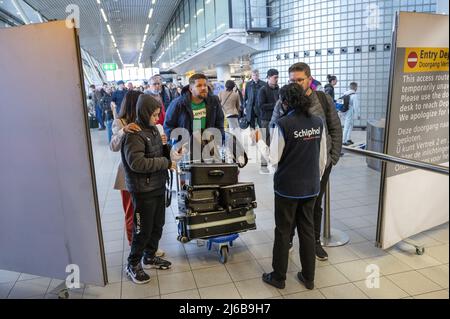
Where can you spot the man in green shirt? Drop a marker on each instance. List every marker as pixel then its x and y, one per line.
pixel 194 110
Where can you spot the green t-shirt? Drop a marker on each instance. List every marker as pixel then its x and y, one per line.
pixel 199 111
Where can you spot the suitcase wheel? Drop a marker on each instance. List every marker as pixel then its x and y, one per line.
pixel 223 252
pixel 254 204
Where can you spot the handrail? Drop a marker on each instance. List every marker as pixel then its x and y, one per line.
pixel 399 160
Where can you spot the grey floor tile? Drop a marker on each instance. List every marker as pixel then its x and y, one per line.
pixel 30 288
pixel 227 291
pixel 256 289
pixel 213 276
pixel 244 270
pixel 441 294
pixel 346 291
pixel 172 283
pixel 385 289
pixel 8 276
pixel 187 294
pixel 414 283
pixel 110 291
pixel 438 274
pixel 131 290
pixel 5 289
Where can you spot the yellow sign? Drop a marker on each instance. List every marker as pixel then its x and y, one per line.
pixel 189 73
pixel 426 60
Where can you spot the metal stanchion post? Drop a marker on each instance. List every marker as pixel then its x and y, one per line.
pixel 331 237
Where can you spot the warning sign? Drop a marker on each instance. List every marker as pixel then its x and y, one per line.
pixel 426 60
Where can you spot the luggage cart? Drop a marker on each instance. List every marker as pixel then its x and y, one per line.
pixel 224 243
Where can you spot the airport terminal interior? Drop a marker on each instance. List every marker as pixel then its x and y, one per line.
pixel 349 45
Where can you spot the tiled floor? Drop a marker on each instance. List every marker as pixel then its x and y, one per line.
pixel 197 273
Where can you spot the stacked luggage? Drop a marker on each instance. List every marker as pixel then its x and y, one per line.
pixel 213 203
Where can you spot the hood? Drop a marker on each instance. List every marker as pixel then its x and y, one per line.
pixel 185 90
pixel 146 105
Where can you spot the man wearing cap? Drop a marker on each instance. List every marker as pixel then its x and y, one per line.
pixel 117 97
pixel 266 99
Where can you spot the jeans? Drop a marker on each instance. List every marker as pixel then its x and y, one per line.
pixel 99 116
pixel 109 129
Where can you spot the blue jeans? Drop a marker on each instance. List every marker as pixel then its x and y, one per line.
pixel 109 129
pixel 99 116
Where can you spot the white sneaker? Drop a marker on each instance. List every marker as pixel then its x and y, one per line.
pixel 160 253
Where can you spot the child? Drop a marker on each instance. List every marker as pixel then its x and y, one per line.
pixel 146 159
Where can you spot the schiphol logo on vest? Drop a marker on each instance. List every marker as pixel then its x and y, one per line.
pixel 308 134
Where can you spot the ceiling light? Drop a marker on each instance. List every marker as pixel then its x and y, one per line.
pixel 98 2
pixel 112 38
pixel 150 14
pixel 146 28
pixel 109 29
pixel 153 1
pixel 104 15
pixel 186 25
pixel 145 38
pixel 199 11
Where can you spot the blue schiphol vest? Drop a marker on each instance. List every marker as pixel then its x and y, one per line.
pixel 298 173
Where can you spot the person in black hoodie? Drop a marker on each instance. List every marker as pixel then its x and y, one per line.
pixel 267 98
pixel 146 159
pixel 329 88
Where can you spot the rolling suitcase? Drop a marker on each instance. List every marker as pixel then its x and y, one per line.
pixel 211 174
pixel 198 199
pixel 238 195
pixel 217 223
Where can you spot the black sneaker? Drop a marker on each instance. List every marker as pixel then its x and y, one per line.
pixel 268 279
pixel 350 142
pixel 308 284
pixel 137 274
pixel 155 263
pixel 321 254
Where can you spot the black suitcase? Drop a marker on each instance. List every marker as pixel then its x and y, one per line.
pixel 211 174
pixel 198 199
pixel 238 195
pixel 213 224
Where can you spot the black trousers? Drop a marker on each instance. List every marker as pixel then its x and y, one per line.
pixel 318 211
pixel 290 213
pixel 254 119
pixel 148 222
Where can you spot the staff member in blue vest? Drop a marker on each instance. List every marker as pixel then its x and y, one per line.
pixel 298 148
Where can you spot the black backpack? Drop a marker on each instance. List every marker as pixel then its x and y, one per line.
pixel 345 102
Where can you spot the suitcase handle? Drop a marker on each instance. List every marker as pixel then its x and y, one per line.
pixel 216 172
pixel 240 190
pixel 193 200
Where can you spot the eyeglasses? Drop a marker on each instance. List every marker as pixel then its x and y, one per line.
pixel 155 84
pixel 299 81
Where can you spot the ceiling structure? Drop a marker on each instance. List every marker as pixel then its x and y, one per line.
pixel 127 22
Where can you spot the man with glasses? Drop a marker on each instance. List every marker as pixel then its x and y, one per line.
pixel 155 89
pixel 323 107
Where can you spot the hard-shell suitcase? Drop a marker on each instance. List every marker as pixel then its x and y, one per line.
pixel 213 224
pixel 198 199
pixel 211 174
pixel 238 195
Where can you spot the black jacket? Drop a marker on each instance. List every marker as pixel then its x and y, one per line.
pixel 329 89
pixel 251 96
pixel 144 157
pixel 180 115
pixel 267 98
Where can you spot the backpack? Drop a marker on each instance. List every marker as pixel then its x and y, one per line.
pixel 345 105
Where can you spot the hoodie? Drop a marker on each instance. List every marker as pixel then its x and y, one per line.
pixel 145 159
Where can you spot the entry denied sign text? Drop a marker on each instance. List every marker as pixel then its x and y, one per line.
pixel 426 60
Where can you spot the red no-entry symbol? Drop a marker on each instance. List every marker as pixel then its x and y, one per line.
pixel 412 59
